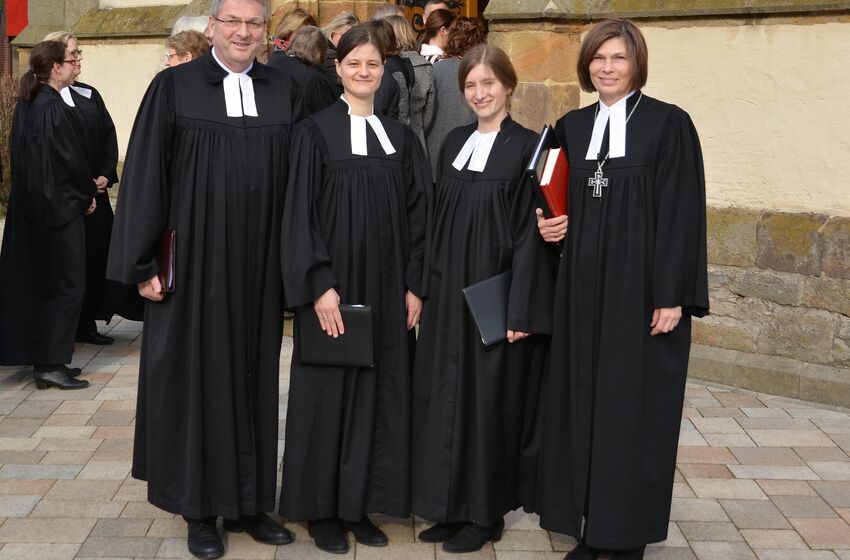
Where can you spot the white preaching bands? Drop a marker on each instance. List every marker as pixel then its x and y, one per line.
pixel 358 132
pixel 476 151
pixel 616 138
pixel 65 92
pixel 238 91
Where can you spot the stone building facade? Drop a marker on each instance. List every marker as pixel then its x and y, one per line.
pixel 764 84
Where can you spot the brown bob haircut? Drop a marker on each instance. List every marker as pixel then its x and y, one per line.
pixel 309 45
pixel 189 41
pixel 635 48
pixel 357 36
pixel 493 58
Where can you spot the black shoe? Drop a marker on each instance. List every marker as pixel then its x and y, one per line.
pixel 57 376
pixel 440 532
pixel 262 528
pixel 630 554
pixel 366 533
pixel 203 539
pixel 328 535
pixel 473 536
pixel 94 337
pixel 582 552
pixel 72 371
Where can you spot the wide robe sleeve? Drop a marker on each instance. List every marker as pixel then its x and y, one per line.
pixel 532 284
pixel 387 96
pixel 59 184
pixel 109 159
pixel 680 276
pixel 145 197
pixel 305 260
pixel 419 209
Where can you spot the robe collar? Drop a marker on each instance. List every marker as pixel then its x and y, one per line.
pixel 476 150
pixel 358 132
pixel 614 117
pixel 65 92
pixel 238 91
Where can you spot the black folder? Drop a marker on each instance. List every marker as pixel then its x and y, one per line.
pixel 352 349
pixel 488 304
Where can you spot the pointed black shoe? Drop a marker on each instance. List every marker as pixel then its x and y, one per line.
pixel 57 376
pixel 72 371
pixel 203 539
pixel 582 552
pixel 440 532
pixel 365 532
pixel 473 536
pixel 262 528
pixel 328 535
pixel 630 554
pixel 94 337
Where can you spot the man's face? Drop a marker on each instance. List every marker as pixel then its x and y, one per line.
pixel 237 31
pixel 431 7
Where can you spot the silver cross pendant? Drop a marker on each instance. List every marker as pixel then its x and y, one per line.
pixel 597 182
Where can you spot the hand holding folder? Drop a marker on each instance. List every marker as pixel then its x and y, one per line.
pixel 548 172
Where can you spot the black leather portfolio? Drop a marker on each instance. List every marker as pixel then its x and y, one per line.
pixel 488 303
pixel 352 349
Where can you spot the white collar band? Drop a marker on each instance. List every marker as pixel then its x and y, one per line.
pixel 359 146
pixel 65 92
pixel 238 91
pixel 616 116
pixel 476 151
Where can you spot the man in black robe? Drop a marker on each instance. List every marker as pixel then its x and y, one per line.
pixel 208 159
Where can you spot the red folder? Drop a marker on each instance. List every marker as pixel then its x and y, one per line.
pixel 549 172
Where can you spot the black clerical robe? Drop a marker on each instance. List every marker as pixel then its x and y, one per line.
pixel 317 91
pixel 42 261
pixel 357 224
pixel 101 146
pixel 615 393
pixel 470 400
pixel 207 415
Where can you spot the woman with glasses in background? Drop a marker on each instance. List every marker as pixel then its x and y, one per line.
pixel 184 46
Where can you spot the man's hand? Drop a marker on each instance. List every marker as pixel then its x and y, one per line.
pixel 151 289
pixel 514 336
pixel 91 207
pixel 101 183
pixel 665 319
pixel 552 230
pixel 326 307
pixel 414 309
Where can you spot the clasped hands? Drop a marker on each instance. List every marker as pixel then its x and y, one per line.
pixel 326 307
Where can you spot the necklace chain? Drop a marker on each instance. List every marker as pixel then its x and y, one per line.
pixel 628 118
pixel 599 180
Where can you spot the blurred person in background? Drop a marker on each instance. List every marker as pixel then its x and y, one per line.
pixel 421 94
pixel 184 46
pixel 435 34
pixel 333 31
pixel 302 62
pixel 292 21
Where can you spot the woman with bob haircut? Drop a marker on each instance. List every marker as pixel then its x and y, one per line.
pixel 42 261
pixel 302 62
pixel 354 227
pixel 470 400
pixel 185 46
pixel 632 275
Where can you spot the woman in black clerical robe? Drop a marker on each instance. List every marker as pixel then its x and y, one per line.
pixel 354 230
pixel 632 275
pixel 302 62
pixel 469 400
pixel 42 262
pixel 101 146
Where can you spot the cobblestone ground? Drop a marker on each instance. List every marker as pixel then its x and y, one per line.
pixel 758 477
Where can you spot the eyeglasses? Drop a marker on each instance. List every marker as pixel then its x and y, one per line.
pixel 169 55
pixel 71 61
pixel 76 53
pixel 251 24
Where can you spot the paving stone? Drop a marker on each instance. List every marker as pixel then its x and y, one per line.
pixel 729 440
pixel 31 487
pixel 66 457
pixel 803 506
pixel 77 508
pixel 408 551
pixel 144 510
pixel 39 551
pixel 174 527
pixel 708 550
pixel 299 550
pixel 663 553
pixel 39 472
pixel 17 505
pixel 105 470
pixel 833 425
pixel 112 418
pixel 675 537
pixel 36 409
pixel 821 454
pixel 683 490
pixel 790 438
pixel 522 521
pixel 18 444
pixel 811 412
pixel 836 492
pixel 119 405
pixel 731 489
pixel 705 471
pixel 56 444
pixel 114 450
pixel 716 455
pixel 717 426
pixel 767 472
pixel 709 531
pixel 99 490
pixel 831 470
pixel 786 488
pixel 136 491
pixel 115 432
pixel 21 457
pixel 565 543
pixel 67 420
pixel 796 555
pixel 765 412
pixel 714 412
pixel 823 533
pixel 126 528
pixel 523 555
pixel 19 427
pixel 524 540
pixel 754 514
pixel 777 424
pixel 768 456
pixel 692 439
pixel 696 509
pixel 773 538
pixel 97 547
pixel 45 530
pixel 78 407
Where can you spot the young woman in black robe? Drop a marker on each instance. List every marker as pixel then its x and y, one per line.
pixel 469 400
pixel 42 262
pixel 101 147
pixel 353 232
pixel 633 273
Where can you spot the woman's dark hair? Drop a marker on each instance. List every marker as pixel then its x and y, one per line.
pixel 464 34
pixel 309 46
pixel 635 48
pixel 493 58
pixel 360 35
pixel 42 58
pixel 436 21
pixel 382 29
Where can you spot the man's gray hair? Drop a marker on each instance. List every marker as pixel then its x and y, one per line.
pixel 215 7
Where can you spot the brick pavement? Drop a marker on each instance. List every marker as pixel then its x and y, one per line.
pixel 758 477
